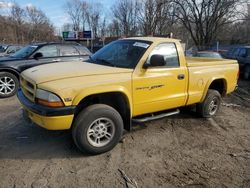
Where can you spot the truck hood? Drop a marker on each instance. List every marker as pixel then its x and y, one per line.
pixel 57 71
pixel 8 58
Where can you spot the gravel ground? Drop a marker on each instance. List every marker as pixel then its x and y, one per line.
pixel 179 151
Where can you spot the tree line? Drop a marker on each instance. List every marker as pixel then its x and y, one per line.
pixel 196 22
pixel 25 25
pixel 200 22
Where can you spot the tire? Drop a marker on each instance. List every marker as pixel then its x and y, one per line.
pixel 210 106
pixel 95 121
pixel 8 84
pixel 246 73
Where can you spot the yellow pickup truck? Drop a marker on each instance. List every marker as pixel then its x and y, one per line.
pixel 129 80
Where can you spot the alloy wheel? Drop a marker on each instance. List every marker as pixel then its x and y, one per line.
pixel 7 85
pixel 213 106
pixel 101 132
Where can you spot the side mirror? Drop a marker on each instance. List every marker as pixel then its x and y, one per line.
pixel 38 55
pixel 155 61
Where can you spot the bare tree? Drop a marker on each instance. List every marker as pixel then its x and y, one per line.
pixel 237 32
pixel 150 15
pixel 84 14
pixel 113 29
pixel 17 16
pixel 38 23
pixel 103 29
pixel 204 18
pixel 66 27
pixel 93 17
pixel 84 7
pixel 24 25
pixel 74 10
pixel 200 21
pixel 126 13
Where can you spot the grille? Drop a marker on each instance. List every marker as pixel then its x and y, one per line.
pixel 28 89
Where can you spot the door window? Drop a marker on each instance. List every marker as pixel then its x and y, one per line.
pixel 169 51
pixel 48 51
pixel 68 51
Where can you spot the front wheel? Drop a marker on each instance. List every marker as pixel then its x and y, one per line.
pixel 97 129
pixel 210 106
pixel 8 84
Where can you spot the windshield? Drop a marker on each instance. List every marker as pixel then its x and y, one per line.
pixel 121 53
pixel 25 52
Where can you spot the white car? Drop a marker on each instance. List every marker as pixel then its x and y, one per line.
pixel 11 49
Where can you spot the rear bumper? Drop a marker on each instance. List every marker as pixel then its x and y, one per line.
pixel 59 118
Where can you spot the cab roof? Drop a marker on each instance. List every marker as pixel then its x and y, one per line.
pixel 55 43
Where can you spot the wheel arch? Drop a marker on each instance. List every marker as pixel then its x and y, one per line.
pixel 116 99
pixel 218 84
pixel 12 71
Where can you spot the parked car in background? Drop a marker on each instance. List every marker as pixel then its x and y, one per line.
pixel 33 55
pixel 242 55
pixel 208 54
pixel 11 49
pixel 3 47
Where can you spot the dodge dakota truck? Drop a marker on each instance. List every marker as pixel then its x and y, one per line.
pixel 129 80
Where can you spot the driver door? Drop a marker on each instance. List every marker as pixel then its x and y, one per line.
pixel 160 88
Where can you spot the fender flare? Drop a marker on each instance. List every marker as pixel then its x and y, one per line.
pixel 210 82
pixel 103 89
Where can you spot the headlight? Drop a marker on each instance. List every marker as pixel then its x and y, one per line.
pixel 47 98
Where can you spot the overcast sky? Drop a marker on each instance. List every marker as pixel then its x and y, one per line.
pixel 54 9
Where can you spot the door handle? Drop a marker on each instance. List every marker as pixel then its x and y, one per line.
pixel 56 60
pixel 181 76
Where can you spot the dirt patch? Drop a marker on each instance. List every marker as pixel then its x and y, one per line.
pixel 178 151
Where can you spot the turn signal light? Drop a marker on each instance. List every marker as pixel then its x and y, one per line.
pixel 50 104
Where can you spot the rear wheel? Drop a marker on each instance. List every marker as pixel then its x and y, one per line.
pixel 97 129
pixel 210 106
pixel 8 84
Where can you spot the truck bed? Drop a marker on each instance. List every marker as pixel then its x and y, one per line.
pixel 202 71
pixel 197 61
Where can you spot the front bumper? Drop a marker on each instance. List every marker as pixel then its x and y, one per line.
pixel 59 118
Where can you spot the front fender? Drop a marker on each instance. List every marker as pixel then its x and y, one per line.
pixel 102 89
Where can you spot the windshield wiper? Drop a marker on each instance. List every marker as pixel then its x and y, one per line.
pixel 105 62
